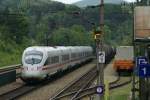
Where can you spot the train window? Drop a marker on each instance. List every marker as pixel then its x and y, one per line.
pixel 87 54
pixel 33 52
pixel 73 55
pixel 54 59
pixel 80 54
pixel 33 57
pixel 47 62
pixel 65 57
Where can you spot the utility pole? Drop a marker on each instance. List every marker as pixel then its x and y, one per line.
pixel 99 48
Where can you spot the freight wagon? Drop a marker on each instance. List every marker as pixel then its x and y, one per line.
pixel 124 59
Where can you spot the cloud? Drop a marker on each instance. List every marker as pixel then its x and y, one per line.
pixel 130 0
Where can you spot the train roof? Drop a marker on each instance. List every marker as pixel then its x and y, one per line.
pixel 55 48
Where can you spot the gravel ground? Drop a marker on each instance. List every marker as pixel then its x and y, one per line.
pixel 109 73
pixel 47 91
pixel 11 86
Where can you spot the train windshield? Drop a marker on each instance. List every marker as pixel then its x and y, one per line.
pixel 33 57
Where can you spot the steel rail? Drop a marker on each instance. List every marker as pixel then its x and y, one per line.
pixel 24 89
pixel 89 92
pixel 85 86
pixel 8 68
pixel 119 83
pixel 76 86
pixel 11 95
pixel 92 90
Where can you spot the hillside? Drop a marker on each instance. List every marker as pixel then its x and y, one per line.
pixel 52 23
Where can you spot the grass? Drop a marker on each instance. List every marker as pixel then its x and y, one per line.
pixel 9 59
pixel 120 93
pixel 119 97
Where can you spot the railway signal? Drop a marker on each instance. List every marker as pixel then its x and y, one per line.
pixel 97 34
pixel 100 90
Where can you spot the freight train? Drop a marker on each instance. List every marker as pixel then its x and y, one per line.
pixel 40 62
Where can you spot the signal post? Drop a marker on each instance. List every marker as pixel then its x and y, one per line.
pixel 100 54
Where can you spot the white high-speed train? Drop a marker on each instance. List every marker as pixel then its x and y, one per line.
pixel 41 61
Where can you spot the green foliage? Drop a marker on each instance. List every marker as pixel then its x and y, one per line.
pixel 13 27
pixel 144 2
pixel 10 53
pixel 76 35
pixel 9 58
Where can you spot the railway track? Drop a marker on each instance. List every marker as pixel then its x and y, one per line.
pixel 24 89
pixel 73 90
pixel 113 85
pixel 121 81
pixel 11 95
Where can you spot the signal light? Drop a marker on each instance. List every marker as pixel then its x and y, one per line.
pixel 97 34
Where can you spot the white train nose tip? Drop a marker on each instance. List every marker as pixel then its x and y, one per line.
pixel 33 74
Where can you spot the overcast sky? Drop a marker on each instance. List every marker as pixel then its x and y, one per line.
pixel 67 1
pixel 73 1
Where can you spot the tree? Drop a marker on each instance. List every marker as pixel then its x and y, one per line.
pixel 143 2
pixel 75 35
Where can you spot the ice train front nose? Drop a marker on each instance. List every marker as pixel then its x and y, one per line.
pixel 32 65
